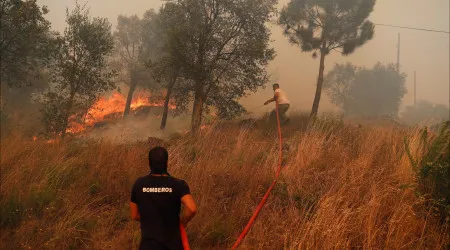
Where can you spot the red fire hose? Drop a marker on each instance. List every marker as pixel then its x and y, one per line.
pixel 184 238
pixel 261 204
pixel 263 201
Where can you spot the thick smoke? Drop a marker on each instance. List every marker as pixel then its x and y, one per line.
pixel 140 128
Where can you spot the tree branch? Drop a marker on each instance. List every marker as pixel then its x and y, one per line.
pixel 311 15
pixel 233 34
pixel 318 16
pixel 220 75
pixel 336 49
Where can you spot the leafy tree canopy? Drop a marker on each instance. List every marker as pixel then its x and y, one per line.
pixel 222 47
pixel 81 71
pixel 367 92
pixel 26 42
pixel 328 25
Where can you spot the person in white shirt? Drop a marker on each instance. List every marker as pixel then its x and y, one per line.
pixel 283 104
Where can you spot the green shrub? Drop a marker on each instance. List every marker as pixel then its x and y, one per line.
pixel 14 207
pixel 433 170
pixel 10 211
pixel 38 200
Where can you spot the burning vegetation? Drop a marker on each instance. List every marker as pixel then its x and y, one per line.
pixel 108 109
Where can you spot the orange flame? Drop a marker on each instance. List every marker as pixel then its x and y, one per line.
pixel 112 107
pixel 51 141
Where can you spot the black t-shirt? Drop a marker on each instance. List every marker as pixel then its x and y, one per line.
pixel 159 201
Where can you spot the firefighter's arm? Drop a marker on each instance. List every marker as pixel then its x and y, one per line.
pixel 134 211
pixel 275 97
pixel 190 209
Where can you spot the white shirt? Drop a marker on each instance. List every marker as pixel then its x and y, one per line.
pixel 282 98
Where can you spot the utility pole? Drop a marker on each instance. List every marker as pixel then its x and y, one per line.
pixel 415 88
pixel 398 54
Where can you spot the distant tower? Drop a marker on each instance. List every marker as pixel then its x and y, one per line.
pixel 415 88
pixel 398 53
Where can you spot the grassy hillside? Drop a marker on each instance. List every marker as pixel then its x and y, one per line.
pixel 342 187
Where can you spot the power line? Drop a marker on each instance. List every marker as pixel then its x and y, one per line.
pixel 412 28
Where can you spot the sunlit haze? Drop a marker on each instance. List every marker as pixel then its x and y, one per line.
pixel 427 53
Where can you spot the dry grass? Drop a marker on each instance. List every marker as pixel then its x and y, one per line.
pixel 341 188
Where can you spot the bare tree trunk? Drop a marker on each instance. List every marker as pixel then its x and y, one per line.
pixel 166 102
pixel 130 96
pixel 198 109
pixel 66 115
pixel 315 107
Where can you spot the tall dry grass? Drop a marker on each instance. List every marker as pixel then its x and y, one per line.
pixel 341 188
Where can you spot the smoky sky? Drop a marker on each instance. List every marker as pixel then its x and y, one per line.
pixel 426 53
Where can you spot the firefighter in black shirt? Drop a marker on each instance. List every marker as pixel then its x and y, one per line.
pixel 156 201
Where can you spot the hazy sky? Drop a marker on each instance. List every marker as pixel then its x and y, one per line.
pixel 424 52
